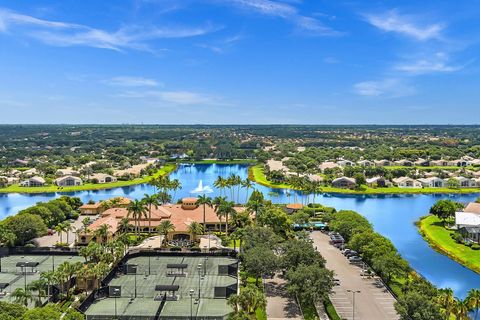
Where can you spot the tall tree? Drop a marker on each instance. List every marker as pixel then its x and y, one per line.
pixel 136 209
pixel 151 201
pixel 204 201
pixel 164 228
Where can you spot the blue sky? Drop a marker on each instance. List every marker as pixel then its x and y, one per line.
pixel 240 61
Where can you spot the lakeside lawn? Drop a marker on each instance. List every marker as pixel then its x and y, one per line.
pixel 165 170
pixel 256 173
pixel 438 237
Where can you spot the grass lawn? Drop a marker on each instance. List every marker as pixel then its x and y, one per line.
pixel 330 309
pixel 167 169
pixel 431 228
pixel 256 173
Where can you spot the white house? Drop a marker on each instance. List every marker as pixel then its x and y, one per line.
pixel 344 182
pixel 459 163
pixel 407 182
pixel 345 163
pixel 327 165
pixel 382 163
pixel 67 172
pixel 33 182
pixel 9 180
pixel 432 182
pixel 30 172
pixel 468 221
pixel 378 182
pixel 365 163
pixel 404 163
pixel 465 182
pixel 102 178
pixel 68 181
pixel 422 163
pixel 439 163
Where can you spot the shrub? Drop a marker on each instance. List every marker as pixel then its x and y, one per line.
pixel 457 237
pixel 175 249
pixel 475 246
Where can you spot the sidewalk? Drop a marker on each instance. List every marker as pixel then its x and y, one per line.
pixel 279 304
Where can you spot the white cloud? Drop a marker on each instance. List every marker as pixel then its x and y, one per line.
pixel 68 34
pixel 389 88
pixel 391 21
pixel 287 12
pixel 438 63
pixel 184 98
pixel 132 82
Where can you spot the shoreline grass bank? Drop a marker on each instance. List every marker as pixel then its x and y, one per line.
pixel 165 170
pixel 256 173
pixel 432 230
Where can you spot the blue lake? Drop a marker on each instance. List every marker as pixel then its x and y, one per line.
pixel 392 216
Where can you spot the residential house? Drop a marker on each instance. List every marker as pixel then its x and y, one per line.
pixel 404 163
pixel 345 163
pixel 382 163
pixel 102 178
pixel 380 182
pixel 468 221
pixel 365 163
pixel 465 182
pixel 68 181
pixel 314 177
pixel 328 165
pixel 344 182
pixel 432 182
pixel 92 209
pixel 407 182
pixel 439 163
pixel 9 180
pixel 459 163
pixel 422 163
pixel 33 182
pixel 66 172
pixel 30 172
pixel 293 207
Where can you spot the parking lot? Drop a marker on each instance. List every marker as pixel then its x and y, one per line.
pixel 373 302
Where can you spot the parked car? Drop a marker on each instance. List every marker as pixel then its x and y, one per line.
pixel 355 259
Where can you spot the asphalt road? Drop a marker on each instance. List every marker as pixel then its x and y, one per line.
pixel 372 303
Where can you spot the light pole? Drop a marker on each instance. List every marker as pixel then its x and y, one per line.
pixel 353 302
pixel 191 303
pixel 199 269
pixel 150 247
pixel 205 266
pixel 135 269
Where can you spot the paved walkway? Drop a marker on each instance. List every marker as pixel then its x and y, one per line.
pixel 52 240
pixel 372 303
pixel 279 304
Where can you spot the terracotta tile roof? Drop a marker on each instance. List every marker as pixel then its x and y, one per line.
pixel 473 207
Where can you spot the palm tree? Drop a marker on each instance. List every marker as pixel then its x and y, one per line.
pixel 247 183
pixel 22 296
pixel 225 209
pixel 59 228
pixel 150 201
pixel 175 185
pixel 124 225
pixel 137 209
pixel 164 197
pixel 256 202
pixel 164 228
pixel 67 227
pixel 473 300
pixel 220 183
pixel 102 233
pixel 195 229
pixel 446 300
pixel 38 286
pixel 49 279
pixel 461 309
pixel 85 224
pixel 204 201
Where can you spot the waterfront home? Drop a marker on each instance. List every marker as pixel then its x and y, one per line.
pixel 459 163
pixel 344 182
pixel 68 181
pixel 293 207
pixel 407 182
pixel 465 182
pixel 9 180
pixel 180 215
pixel 382 163
pixel 365 163
pixel 468 221
pixel 378 182
pixel 33 182
pixel 439 163
pixel 422 163
pixel 327 165
pixel 404 163
pixel 432 182
pixel 102 178
pixel 66 172
pixel 345 163
pixel 314 178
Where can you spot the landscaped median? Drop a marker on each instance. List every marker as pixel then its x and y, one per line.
pixel 440 239
pixel 165 170
pixel 256 173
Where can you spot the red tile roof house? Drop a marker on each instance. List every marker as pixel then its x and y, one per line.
pixel 181 216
